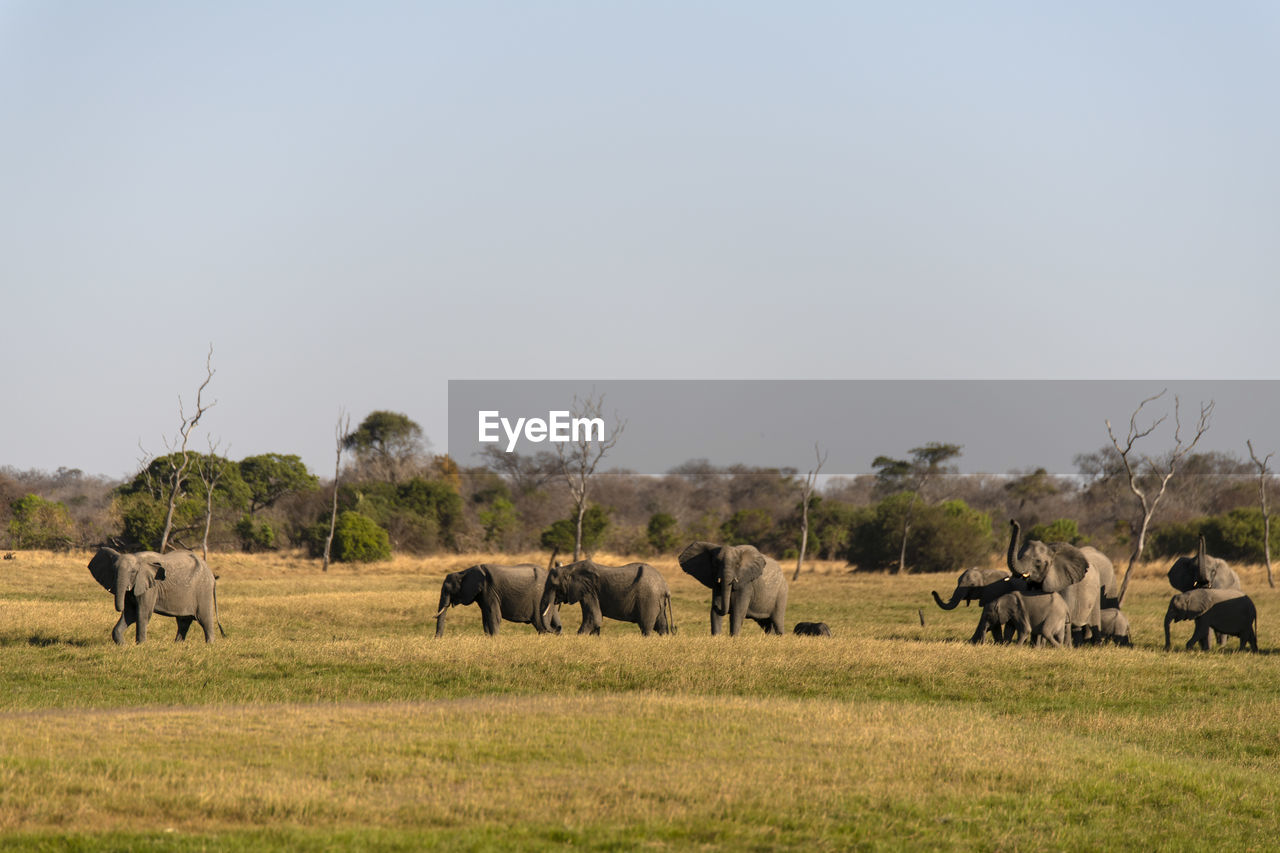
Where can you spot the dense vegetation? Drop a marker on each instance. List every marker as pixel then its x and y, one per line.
pixel 916 511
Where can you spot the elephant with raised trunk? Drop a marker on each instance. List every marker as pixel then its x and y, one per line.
pixel 1202 572
pixel 1034 617
pixel 744 584
pixel 983 586
pixel 635 593
pixel 179 584
pixel 1063 568
pixel 512 593
pixel 1227 611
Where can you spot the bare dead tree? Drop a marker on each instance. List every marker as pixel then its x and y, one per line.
pixel 1147 494
pixel 178 468
pixel 1264 471
pixel 340 432
pixel 579 458
pixel 210 470
pixel 806 491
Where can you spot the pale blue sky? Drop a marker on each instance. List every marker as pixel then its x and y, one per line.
pixel 358 202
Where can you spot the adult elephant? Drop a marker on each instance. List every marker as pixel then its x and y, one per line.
pixel 744 584
pixel 1226 611
pixel 1202 572
pixel 1064 569
pixel 503 592
pixel 179 584
pixel 635 593
pixel 983 586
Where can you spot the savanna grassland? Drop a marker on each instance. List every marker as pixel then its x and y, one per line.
pixel 329 718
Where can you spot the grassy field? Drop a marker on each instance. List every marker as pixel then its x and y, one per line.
pixel 329 718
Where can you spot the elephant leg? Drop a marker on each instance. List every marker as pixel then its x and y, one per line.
pixel 184 622
pixel 117 633
pixel 735 621
pixel 143 618
pixel 207 624
pixel 716 619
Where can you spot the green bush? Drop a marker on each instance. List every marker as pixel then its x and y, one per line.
pixel 358 539
pixel 1236 536
pixel 38 523
pixel 943 538
pixel 662 534
pixel 560 535
pixel 747 527
pixel 255 535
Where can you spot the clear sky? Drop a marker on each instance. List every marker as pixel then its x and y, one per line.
pixel 357 202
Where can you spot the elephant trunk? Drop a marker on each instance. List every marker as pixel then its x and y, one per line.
pixel 1012 557
pixel 440 614
pixel 955 598
pixel 122 586
pixel 726 589
pixel 545 603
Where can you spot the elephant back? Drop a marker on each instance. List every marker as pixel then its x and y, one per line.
pixel 182 569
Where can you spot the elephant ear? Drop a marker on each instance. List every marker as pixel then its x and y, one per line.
pixel 146 577
pixel 585 582
pixel 1069 566
pixel 103 568
pixel 473 579
pixel 701 560
pixel 750 565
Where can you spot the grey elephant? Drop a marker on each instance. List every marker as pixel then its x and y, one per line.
pixel 744 583
pixel 1063 568
pixel 812 629
pixel 1040 617
pixel 1227 611
pixel 982 586
pixel 1115 626
pixel 1202 572
pixel 503 592
pixel 636 592
pixel 179 584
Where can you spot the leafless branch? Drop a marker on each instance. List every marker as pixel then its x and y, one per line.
pixel 579 459
pixel 340 432
pixel 1264 470
pixel 810 480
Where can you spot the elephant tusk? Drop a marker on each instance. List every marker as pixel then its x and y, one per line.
pixel 441 610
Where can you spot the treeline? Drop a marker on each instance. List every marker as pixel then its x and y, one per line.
pixel 394 496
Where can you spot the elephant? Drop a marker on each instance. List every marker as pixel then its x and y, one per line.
pixel 1115 626
pixel 503 592
pixel 812 629
pixel 179 584
pixel 1039 616
pixel 1227 611
pixel 635 593
pixel 1202 572
pixel 744 584
pixel 983 586
pixel 1066 569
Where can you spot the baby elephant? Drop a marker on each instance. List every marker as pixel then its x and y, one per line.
pixel 1227 611
pixel 1033 616
pixel 812 629
pixel 1115 626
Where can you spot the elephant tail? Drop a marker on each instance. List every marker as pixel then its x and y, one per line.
pixel 671 621
pixel 216 620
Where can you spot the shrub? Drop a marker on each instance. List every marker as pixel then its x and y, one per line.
pixel 358 539
pixel 255 535
pixel 560 535
pixel 1060 530
pixel 662 533
pixel 38 523
pixel 747 527
pixel 943 538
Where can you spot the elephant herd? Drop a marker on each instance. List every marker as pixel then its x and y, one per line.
pixel 1061 595
pixel 1051 593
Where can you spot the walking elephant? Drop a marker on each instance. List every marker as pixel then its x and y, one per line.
pixel 179 584
pixel 635 593
pixel 744 584
pixel 1034 617
pixel 1202 572
pixel 1227 611
pixel 503 592
pixel 983 586
pixel 1066 569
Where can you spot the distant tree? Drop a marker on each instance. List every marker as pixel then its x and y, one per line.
pixel 663 532
pixel 387 445
pixel 144 503
pixel 579 459
pixel 946 537
pixel 583 532
pixel 210 469
pixel 498 520
pixel 1263 472
pixel 1148 494
pixel 271 476
pixel 806 494
pixel 1060 530
pixel 913 477
pixel 179 457
pixel 359 539
pixel 39 523
pixel 340 431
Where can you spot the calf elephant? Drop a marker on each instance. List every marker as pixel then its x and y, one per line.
pixel 635 593
pixel 1227 611
pixel 982 586
pixel 1115 626
pixel 744 584
pixel 179 584
pixel 1066 569
pixel 812 629
pixel 1202 572
pixel 1033 617
pixel 503 592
